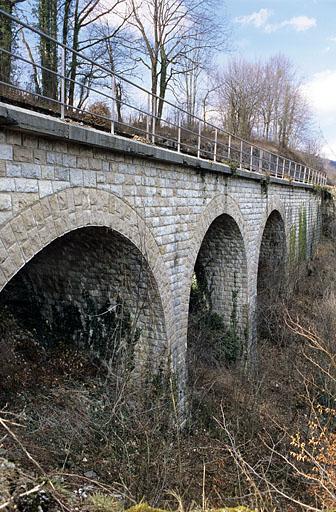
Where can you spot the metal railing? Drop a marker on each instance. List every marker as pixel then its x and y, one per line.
pixel 131 114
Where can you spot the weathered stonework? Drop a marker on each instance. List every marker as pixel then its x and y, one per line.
pixel 56 178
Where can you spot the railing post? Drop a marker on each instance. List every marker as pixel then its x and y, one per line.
pixel 308 179
pixel 241 155
pixel 261 155
pixel 283 167
pixel 277 167
pixel 295 167
pixel 148 117
pixel 63 71
pixel 215 146
pixel 289 168
pixel 179 134
pixel 304 174
pixel 229 148
pixel 153 118
pixel 251 159
pixel 199 139
pixel 113 103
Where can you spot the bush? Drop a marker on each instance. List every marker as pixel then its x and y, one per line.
pixel 100 108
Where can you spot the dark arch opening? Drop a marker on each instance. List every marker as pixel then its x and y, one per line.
pixel 91 289
pixel 271 273
pixel 218 324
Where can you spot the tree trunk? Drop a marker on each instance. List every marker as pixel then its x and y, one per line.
pixel 163 82
pixel 5 41
pixel 48 48
pixel 65 37
pixel 74 60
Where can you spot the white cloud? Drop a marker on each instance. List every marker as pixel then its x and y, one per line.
pixel 260 19
pixel 301 23
pixel 320 92
pixel 256 19
pixel 329 150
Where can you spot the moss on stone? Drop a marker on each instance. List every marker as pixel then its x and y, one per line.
pixel 303 234
pixel 292 244
pixel 144 507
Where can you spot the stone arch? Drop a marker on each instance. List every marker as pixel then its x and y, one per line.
pixel 272 248
pixel 271 267
pixel 273 204
pixel 220 270
pixel 221 204
pixel 63 218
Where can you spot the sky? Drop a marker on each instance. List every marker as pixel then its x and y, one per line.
pixel 304 31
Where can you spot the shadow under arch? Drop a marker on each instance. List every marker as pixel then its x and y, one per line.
pixel 83 249
pixel 271 271
pixel 218 315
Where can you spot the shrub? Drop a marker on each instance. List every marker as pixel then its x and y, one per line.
pixel 100 108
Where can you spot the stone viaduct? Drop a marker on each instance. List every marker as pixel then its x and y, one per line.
pixel 90 220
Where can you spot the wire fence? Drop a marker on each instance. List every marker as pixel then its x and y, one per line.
pixel 96 96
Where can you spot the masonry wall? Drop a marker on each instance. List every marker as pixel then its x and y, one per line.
pixel 50 183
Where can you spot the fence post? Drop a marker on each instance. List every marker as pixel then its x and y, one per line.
pixel 113 103
pixel 199 139
pixel 229 148
pixel 251 159
pixel 283 167
pixel 241 155
pixel 179 133
pixel 148 116
pixel 261 156
pixel 153 118
pixel 277 167
pixel 63 71
pixel 215 146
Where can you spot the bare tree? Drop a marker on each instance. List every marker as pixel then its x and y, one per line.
pixel 192 85
pixel 170 32
pixel 264 100
pixel 239 96
pixel 79 21
pixel 113 45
